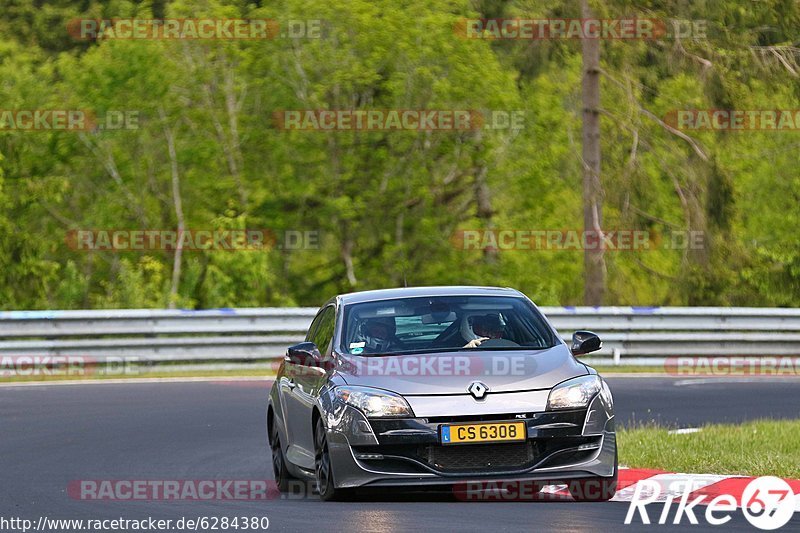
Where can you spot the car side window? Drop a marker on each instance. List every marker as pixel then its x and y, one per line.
pixel 314 325
pixel 323 334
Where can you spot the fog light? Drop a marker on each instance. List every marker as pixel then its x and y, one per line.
pixel 369 456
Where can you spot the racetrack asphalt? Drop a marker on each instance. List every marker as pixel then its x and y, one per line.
pixel 55 434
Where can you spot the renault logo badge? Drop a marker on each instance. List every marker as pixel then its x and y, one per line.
pixel 478 390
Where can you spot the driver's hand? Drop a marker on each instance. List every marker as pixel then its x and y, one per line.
pixel 474 343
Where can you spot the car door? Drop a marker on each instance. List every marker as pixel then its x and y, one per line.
pixel 303 389
pixel 310 379
pixel 292 409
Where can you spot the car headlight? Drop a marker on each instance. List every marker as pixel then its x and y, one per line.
pixel 605 393
pixel 374 402
pixel 574 393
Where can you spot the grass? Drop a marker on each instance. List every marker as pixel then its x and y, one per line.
pixel 627 369
pixel 758 448
pixel 148 373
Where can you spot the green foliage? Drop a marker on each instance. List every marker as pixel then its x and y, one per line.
pixel 387 204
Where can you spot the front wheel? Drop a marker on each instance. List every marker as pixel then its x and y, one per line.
pixel 323 468
pixel 279 470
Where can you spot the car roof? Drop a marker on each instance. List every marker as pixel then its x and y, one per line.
pixel 411 292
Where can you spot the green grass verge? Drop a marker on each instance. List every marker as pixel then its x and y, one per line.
pixel 182 373
pixel 760 448
pixel 627 369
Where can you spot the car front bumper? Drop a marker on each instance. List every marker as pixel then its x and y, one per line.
pixel 560 445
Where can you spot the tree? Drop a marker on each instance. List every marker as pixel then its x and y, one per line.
pixel 593 264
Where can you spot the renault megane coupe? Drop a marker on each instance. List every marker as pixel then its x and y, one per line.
pixel 425 386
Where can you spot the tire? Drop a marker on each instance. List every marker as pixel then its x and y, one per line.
pixel 323 468
pixel 594 489
pixel 279 470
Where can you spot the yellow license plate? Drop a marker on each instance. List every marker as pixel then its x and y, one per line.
pixel 488 432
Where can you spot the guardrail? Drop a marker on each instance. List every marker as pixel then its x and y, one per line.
pixel 643 333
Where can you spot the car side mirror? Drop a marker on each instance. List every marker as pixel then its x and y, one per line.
pixel 304 354
pixel 585 342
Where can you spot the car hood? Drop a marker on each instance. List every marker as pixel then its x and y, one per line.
pixel 453 372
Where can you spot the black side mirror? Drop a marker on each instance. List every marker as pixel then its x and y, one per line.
pixel 304 354
pixel 585 342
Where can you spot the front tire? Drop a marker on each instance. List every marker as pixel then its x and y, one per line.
pixel 323 468
pixel 279 469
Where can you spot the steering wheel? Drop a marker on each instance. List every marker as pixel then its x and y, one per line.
pixel 498 343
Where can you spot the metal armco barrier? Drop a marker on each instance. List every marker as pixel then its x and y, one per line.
pixel 628 333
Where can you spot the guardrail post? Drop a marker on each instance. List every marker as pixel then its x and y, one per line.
pixel 616 353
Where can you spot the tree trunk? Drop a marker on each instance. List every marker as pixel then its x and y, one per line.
pixel 483 199
pixel 593 262
pixel 178 204
pixel 484 211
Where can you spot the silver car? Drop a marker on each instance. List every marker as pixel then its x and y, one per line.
pixel 440 386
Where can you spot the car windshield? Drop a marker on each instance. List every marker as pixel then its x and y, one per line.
pixel 443 323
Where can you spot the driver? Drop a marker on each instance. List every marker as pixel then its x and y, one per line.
pixel 378 334
pixel 486 327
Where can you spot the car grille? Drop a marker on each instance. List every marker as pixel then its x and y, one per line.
pixel 480 456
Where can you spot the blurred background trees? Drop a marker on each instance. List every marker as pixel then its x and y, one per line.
pixel 388 204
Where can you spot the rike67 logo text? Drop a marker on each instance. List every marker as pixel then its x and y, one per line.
pixel 767 502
